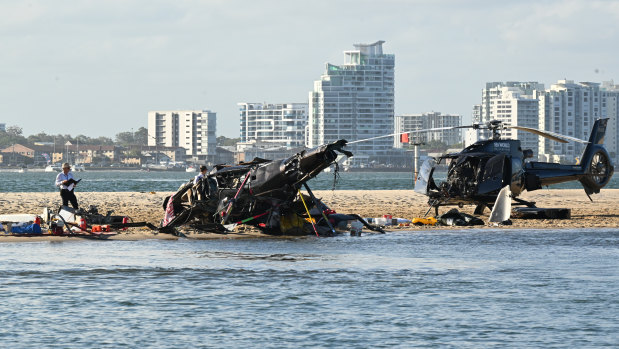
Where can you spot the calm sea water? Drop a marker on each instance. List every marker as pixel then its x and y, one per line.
pixel 106 181
pixel 460 289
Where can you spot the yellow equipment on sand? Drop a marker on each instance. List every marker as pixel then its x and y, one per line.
pixel 424 221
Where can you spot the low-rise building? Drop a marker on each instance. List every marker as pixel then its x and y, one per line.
pixel 28 154
pixel 226 155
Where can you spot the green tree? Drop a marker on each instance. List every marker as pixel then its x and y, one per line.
pixel 124 138
pixel 141 136
pixel 14 131
pixel 435 145
pixel 225 141
pixel 12 135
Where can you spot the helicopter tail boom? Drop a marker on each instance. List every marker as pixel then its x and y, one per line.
pixel 593 172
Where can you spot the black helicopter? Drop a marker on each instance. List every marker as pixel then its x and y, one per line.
pixel 477 174
pixel 262 193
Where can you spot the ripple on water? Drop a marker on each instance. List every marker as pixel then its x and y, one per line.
pixel 454 289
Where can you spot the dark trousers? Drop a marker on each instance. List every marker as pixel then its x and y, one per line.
pixel 68 195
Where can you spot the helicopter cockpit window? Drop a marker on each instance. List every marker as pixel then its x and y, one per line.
pixel 492 178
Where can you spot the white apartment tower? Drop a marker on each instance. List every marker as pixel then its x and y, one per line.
pixel 193 130
pixel 495 90
pixel 414 122
pixel 281 125
pixel 571 109
pixel 610 92
pixel 513 103
pixel 355 101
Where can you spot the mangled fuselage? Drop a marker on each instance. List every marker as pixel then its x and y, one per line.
pixel 262 193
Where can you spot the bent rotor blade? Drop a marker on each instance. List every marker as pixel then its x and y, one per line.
pixel 550 135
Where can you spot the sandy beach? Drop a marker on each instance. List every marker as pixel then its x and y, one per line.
pixel 146 207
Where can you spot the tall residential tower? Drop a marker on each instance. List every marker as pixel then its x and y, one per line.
pixel 355 101
pixel 570 108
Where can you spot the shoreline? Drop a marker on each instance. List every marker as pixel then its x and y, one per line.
pixel 147 207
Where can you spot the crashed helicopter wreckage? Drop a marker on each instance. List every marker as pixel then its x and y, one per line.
pixel 262 193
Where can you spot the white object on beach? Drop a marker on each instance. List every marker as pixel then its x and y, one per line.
pixel 502 206
pixel 388 221
pixel 15 218
pixel 230 227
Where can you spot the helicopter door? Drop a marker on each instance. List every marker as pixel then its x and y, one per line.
pixel 424 176
pixel 492 178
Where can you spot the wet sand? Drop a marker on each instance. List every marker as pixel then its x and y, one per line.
pixel 146 207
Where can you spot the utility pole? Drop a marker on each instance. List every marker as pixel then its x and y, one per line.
pixel 68 144
pixel 415 160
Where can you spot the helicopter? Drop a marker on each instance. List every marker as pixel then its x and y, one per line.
pixel 477 174
pixel 262 193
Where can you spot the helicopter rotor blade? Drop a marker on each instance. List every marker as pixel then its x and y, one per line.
pixel 413 131
pixel 547 134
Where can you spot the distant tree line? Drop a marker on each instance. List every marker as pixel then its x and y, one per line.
pixel 14 135
pixel 223 141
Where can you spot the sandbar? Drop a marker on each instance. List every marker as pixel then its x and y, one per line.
pixel 603 211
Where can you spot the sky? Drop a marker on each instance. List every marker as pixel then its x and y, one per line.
pixel 97 67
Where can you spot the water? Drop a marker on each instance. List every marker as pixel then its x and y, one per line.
pixel 138 181
pixel 460 289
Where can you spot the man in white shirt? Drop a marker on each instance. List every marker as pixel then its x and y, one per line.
pixel 200 175
pixel 66 183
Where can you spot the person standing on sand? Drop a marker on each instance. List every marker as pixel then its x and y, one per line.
pixel 66 183
pixel 200 175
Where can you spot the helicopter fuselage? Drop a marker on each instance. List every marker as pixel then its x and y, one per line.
pixel 477 173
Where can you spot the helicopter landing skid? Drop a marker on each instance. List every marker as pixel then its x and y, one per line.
pixel 479 209
pixel 524 202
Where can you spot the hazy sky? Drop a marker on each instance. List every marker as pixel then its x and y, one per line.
pixel 97 67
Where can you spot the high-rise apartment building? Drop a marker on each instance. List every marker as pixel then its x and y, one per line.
pixel 610 92
pixel 414 122
pixel 276 124
pixel 2 127
pixel 513 103
pixel 355 101
pixel 193 130
pixel 496 90
pixel 571 109
pixel 476 114
pixel 566 108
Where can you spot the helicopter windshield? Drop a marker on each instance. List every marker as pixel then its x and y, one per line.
pixel 421 184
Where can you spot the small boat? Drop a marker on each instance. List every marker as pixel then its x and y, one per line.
pixel 53 168
pixel 191 169
pixel 78 168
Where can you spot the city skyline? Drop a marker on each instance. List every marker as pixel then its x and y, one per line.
pixel 98 68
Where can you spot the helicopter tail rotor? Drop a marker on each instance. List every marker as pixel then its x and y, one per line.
pixel 596 163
